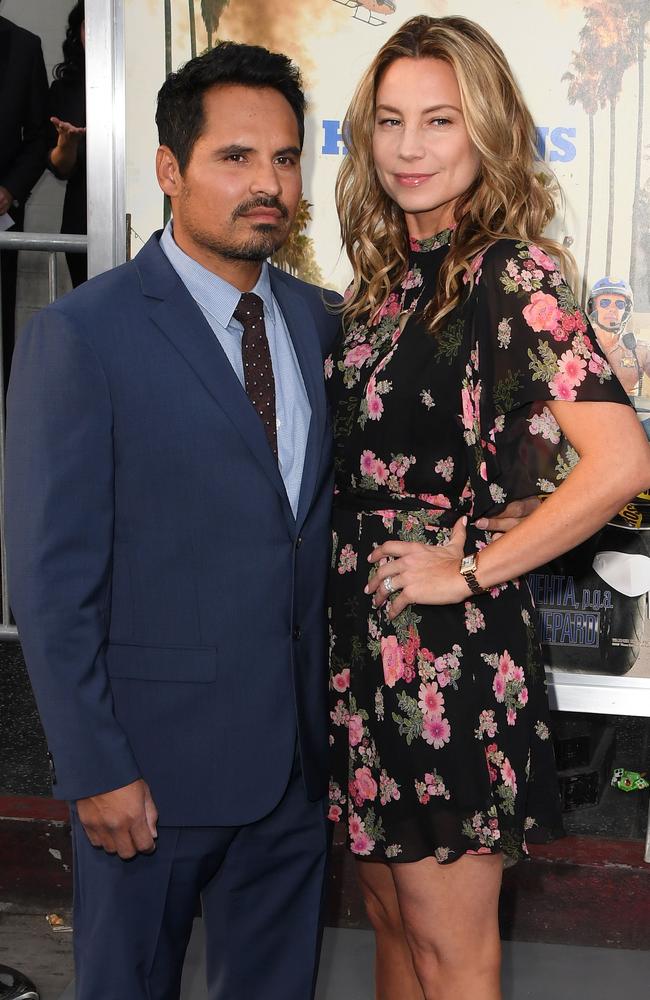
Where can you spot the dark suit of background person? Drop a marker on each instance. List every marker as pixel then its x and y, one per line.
pixel 23 146
pixel 68 105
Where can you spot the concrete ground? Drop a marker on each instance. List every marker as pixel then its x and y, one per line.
pixel 531 971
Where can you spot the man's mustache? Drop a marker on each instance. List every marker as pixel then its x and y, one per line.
pixel 250 206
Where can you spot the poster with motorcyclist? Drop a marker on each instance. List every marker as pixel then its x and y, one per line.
pixel 592 602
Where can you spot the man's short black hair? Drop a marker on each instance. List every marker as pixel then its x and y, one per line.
pixel 180 113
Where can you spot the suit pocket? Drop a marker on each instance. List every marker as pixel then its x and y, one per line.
pixel 184 664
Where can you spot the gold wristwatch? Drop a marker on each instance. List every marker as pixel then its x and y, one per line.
pixel 468 568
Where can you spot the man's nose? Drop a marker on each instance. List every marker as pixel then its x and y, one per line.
pixel 267 180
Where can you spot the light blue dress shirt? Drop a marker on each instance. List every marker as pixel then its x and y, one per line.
pixel 217 300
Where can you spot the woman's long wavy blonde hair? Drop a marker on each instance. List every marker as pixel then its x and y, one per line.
pixel 510 198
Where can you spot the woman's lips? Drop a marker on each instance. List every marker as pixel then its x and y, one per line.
pixel 412 180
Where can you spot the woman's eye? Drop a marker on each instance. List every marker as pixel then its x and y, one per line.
pixel 389 121
pixel 440 121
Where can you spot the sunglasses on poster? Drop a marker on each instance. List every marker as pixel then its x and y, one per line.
pixel 619 303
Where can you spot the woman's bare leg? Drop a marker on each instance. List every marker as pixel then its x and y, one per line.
pixel 450 916
pixel 394 972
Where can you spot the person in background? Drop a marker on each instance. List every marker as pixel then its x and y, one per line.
pixel 67 155
pixel 464 359
pixel 23 151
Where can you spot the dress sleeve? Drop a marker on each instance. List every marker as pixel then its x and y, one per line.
pixel 531 344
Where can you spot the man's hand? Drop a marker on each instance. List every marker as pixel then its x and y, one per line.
pixel 510 516
pixel 122 821
pixel 6 200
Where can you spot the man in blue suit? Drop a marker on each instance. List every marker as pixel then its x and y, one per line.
pixel 167 509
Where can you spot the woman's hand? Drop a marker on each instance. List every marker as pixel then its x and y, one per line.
pixel 67 134
pixel 511 516
pixel 423 574
pixel 65 154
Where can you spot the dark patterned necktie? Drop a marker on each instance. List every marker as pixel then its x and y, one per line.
pixel 258 370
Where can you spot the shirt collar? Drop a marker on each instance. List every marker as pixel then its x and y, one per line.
pixel 214 294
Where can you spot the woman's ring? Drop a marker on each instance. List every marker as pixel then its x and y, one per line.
pixel 388 584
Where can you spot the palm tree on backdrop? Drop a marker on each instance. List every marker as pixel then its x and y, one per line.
pixel 583 89
pixel 211 11
pixel 639 11
pixel 615 48
pixel 297 255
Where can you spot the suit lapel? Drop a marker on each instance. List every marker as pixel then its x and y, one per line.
pixel 300 323
pixel 179 318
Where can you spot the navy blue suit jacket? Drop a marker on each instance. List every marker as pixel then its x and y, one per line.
pixel 170 606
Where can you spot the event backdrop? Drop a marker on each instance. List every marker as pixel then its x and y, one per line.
pixel 580 65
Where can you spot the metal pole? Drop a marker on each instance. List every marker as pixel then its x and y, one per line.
pixel 52 276
pixel 53 244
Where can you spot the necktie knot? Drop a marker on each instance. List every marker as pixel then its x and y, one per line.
pixel 249 309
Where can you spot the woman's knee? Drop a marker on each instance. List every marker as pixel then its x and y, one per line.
pixel 381 904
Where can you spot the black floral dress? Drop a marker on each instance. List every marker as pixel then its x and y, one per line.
pixel 439 719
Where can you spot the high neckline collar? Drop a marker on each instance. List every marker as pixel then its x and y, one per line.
pixel 441 239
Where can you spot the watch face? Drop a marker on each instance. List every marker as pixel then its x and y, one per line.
pixel 467 564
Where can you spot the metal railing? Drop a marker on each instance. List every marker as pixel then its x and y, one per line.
pixel 53 244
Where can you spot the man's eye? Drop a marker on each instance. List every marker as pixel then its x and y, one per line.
pixel 236 158
pixel 285 160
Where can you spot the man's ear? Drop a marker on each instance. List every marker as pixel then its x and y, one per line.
pixel 168 172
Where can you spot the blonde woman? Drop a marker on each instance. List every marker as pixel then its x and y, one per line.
pixel 464 369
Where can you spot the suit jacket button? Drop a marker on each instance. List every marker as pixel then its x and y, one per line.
pixel 298 541
pixel 297 632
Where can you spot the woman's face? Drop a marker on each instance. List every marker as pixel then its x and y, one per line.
pixel 423 154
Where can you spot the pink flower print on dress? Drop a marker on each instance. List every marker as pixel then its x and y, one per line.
pixel 431 701
pixel 542 312
pixel 468 408
pixel 598 366
pixel 436 732
pixel 347 560
pixel 368 463
pixel 355 824
pixel 445 468
pixel 362 844
pixel 573 367
pixel 328 367
pixel 474 618
pixel 508 775
pixel 357 356
pixel 380 474
pixel 341 681
pixel 366 785
pixel 375 407
pixel 561 387
pixel 511 716
pixel 335 813
pixel 542 259
pixel 391 307
pixel 506 664
pixel 499 687
pixel 355 730
pixel 522 697
pixel 392 658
